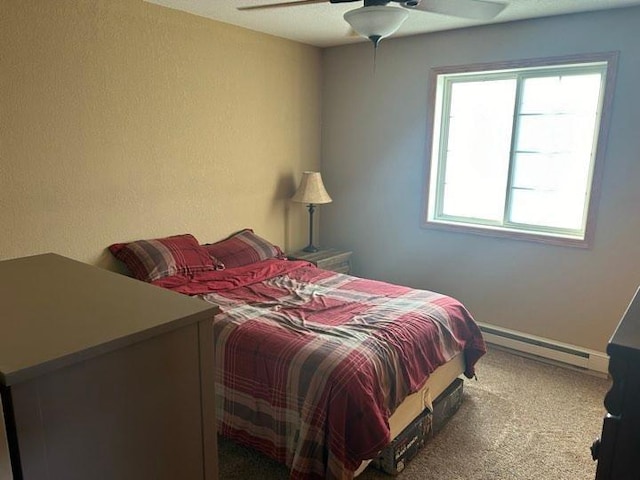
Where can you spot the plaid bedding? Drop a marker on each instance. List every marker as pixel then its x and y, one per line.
pixel 310 363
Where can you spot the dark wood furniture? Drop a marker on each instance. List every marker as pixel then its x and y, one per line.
pixel 327 259
pixel 103 376
pixel 618 449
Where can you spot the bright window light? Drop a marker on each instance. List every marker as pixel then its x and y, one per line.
pixel 515 150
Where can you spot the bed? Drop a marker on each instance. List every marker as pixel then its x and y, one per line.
pixel 316 369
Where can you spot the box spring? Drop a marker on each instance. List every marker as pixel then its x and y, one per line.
pixel 404 447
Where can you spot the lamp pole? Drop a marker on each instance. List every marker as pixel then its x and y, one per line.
pixel 310 247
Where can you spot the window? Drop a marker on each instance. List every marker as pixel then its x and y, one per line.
pixel 516 149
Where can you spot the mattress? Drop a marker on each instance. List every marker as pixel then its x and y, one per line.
pixel 415 404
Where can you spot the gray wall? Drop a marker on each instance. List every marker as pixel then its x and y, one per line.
pixel 374 139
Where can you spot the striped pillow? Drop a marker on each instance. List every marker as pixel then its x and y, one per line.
pixel 150 260
pixel 243 248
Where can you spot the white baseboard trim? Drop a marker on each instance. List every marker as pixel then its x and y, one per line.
pixel 545 348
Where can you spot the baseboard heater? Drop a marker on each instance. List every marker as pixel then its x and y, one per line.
pixel 545 348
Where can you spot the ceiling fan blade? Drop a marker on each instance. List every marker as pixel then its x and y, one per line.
pixel 283 4
pixel 475 9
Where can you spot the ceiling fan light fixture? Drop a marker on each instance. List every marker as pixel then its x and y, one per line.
pixel 376 22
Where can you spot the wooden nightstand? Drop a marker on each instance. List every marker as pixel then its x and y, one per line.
pixel 327 259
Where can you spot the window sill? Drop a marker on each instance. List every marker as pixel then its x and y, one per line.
pixel 563 241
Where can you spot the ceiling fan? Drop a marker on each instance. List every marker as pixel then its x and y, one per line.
pixel 376 19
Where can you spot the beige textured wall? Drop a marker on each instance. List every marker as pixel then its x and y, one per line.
pixel 374 138
pixel 122 120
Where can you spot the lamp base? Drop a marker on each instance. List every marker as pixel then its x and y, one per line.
pixel 310 248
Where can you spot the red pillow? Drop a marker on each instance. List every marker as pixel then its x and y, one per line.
pixel 243 248
pixel 150 260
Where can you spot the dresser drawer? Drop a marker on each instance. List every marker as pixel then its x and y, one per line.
pixel 329 259
pixel 339 263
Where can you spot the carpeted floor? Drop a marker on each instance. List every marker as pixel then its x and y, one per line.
pixel 522 420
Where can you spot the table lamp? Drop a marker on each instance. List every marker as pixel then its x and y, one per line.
pixel 312 192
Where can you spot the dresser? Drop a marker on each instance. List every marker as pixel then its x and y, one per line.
pixel 327 259
pixel 102 377
pixel 618 449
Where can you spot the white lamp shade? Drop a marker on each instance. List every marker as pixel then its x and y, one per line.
pixel 311 190
pixel 376 21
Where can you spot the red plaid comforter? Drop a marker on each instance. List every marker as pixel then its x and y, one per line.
pixel 311 363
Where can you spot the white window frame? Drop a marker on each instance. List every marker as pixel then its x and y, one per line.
pixel 432 218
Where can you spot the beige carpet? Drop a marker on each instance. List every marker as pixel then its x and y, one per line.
pixel 522 419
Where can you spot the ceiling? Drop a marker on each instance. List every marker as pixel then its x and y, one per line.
pixel 322 25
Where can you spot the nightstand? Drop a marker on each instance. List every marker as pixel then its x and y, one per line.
pixel 327 259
